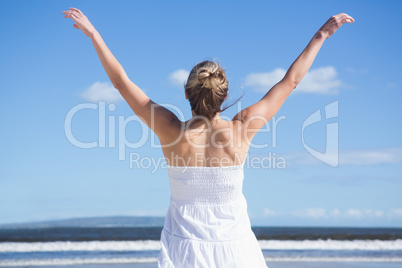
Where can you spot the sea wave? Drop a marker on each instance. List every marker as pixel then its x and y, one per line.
pixel 335 259
pixel 146 245
pixel 77 261
pixel 331 244
pixel 80 246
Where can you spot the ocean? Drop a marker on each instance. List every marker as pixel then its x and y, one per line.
pixel 139 246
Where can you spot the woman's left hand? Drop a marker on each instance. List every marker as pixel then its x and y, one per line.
pixel 81 21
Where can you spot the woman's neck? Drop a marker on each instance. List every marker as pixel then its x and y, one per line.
pixel 214 118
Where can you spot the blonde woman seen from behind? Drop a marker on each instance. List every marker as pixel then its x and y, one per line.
pixel 207 224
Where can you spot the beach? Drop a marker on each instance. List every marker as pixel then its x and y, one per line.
pixel 120 246
pixel 272 264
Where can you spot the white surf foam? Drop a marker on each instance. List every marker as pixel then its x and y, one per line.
pixel 155 245
pixel 80 246
pixel 77 261
pixel 331 244
pixel 45 262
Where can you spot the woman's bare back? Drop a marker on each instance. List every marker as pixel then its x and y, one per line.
pixel 214 143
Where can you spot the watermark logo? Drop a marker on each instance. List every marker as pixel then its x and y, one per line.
pixel 331 154
pixel 269 161
pixel 108 124
pixel 111 133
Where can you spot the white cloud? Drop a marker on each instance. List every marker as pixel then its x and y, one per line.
pixel 397 212
pixel 356 71
pixel 321 80
pixel 367 213
pixel 392 85
pixel 370 157
pixel 351 157
pixel 101 92
pixel 322 213
pixel 264 81
pixel 335 213
pixel 354 212
pixel 179 77
pixel 269 212
pixel 314 213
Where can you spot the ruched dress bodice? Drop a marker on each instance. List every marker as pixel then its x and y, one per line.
pixel 207 224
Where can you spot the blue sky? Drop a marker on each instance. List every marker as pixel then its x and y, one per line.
pixel 49 67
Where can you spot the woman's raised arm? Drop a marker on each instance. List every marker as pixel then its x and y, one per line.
pixel 158 118
pixel 257 115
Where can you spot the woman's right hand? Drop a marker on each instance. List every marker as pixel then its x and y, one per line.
pixel 334 23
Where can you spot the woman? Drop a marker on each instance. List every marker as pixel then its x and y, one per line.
pixel 207 224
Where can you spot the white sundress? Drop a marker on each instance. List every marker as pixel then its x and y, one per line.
pixel 207 224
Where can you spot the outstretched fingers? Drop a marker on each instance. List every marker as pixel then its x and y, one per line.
pixel 71 15
pixel 73 12
pixel 346 18
pixel 76 9
pixel 334 23
pixel 81 21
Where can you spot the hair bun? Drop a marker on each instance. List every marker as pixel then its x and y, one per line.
pixel 207 88
pixel 204 73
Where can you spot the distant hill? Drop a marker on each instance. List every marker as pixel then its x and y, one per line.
pixel 117 221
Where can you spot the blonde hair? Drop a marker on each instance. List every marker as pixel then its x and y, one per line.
pixel 207 88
